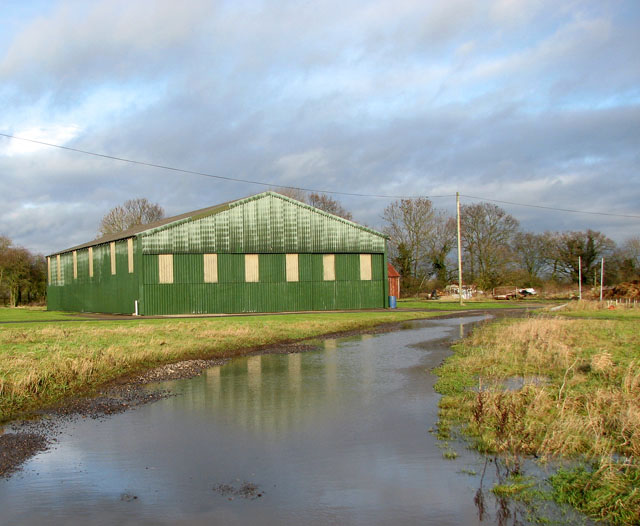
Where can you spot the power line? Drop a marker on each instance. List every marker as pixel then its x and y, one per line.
pixel 551 207
pixel 222 177
pixel 334 192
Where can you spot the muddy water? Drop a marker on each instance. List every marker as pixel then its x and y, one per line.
pixel 337 435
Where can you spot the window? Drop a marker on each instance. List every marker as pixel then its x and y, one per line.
pixel 365 267
pixel 90 262
pixel 130 254
pixel 329 267
pixel 112 247
pixel 251 268
pixel 292 267
pixel 165 268
pixel 211 268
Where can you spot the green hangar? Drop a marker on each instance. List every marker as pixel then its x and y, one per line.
pixel 264 253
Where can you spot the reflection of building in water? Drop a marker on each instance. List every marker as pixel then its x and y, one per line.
pixel 331 364
pixel 212 376
pixel 268 393
pixel 254 371
pixel 294 369
pixel 254 383
pixel 368 372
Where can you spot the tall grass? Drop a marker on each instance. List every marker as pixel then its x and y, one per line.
pixel 555 388
pixel 597 306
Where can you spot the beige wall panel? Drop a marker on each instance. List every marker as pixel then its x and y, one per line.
pixel 59 269
pixel 165 268
pixel 75 264
pixel 211 268
pixel 292 267
pixel 365 266
pixel 90 262
pixel 48 270
pixel 112 247
pixel 329 267
pixel 130 254
pixel 251 268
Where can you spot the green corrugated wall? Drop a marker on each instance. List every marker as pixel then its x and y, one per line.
pixel 269 225
pixel 103 292
pixel 189 294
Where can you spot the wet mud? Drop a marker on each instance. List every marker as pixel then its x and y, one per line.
pixel 244 490
pixel 16 448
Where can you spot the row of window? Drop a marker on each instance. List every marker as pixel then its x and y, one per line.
pixel 74 256
pixel 252 268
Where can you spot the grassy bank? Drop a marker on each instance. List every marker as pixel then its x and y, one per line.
pixel 600 310
pixel 413 303
pixel 556 388
pixel 32 314
pixel 43 362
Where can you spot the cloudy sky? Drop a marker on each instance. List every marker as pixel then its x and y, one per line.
pixel 529 101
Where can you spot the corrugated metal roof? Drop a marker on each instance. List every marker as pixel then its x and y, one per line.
pixel 199 214
pixel 138 229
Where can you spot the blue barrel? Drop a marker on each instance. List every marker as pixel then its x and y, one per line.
pixel 392 302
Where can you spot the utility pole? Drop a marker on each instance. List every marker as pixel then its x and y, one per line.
pixel 580 276
pixel 459 249
pixel 601 277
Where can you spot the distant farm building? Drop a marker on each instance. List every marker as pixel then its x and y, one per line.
pixel 264 253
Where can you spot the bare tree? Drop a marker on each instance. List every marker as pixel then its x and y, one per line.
pixel 132 213
pixel 626 261
pixel 487 234
pixel 329 205
pixel 590 246
pixel 439 244
pixel 409 225
pixel 631 251
pixel 531 253
pixel 293 193
pixel 321 201
pixel 5 246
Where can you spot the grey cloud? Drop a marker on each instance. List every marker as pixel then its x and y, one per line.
pixel 399 98
pixel 81 44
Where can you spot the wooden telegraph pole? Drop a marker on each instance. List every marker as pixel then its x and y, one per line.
pixel 459 249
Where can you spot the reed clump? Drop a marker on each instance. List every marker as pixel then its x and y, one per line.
pixel 555 388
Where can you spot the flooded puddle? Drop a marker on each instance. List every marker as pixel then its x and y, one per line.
pixel 337 435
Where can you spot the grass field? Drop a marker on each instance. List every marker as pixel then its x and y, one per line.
pixel 599 310
pixel 43 362
pixel 32 314
pixel 556 388
pixel 411 303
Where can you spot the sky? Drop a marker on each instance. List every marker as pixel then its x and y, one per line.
pixel 533 102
